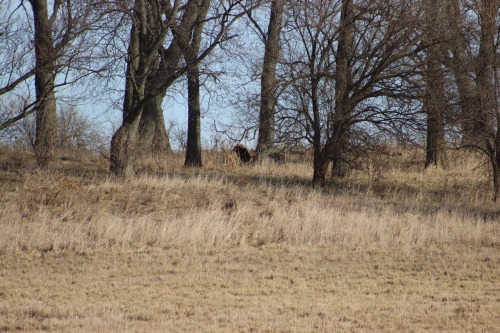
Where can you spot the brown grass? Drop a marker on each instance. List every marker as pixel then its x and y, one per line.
pixel 248 248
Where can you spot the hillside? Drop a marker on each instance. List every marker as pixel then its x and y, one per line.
pixel 248 248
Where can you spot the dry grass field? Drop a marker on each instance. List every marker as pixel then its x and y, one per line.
pixel 233 248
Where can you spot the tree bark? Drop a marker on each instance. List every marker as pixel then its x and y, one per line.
pixel 193 144
pixel 46 114
pixel 472 117
pixel 343 86
pixel 268 83
pixel 320 170
pixel 154 138
pixel 485 67
pixel 124 141
pixel 191 50
pixel 488 90
pixel 434 98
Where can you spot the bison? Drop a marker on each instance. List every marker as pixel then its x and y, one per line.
pixel 245 154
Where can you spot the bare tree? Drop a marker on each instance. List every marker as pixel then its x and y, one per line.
pixel 144 81
pixel 474 32
pixel 434 99
pixel 487 76
pixel 268 81
pixel 45 54
pixel 343 81
pixel 56 35
pixel 345 62
pixel 191 50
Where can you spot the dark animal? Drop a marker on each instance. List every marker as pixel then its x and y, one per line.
pixel 245 154
pixel 277 157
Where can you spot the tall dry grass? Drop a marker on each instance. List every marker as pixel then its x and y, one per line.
pixel 403 208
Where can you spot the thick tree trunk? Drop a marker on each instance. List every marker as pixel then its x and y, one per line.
pixel 321 163
pixel 193 145
pixel 435 151
pixel 123 149
pixel 46 116
pixel 340 165
pixel 343 82
pixel 124 142
pixel 434 99
pixel 154 138
pixel 469 104
pixel 266 136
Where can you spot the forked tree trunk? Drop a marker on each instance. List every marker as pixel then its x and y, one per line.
pixel 46 116
pixel 143 80
pixel 124 142
pixel 268 83
pixel 193 145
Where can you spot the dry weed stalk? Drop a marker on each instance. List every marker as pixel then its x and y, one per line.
pixel 231 161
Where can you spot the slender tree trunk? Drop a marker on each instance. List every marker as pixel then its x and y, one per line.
pixel 343 83
pixel 434 99
pixel 495 161
pixel 193 142
pixel 485 67
pixel 268 78
pixel 46 116
pixel 154 138
pixel 193 145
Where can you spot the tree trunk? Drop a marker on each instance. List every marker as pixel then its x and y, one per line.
pixel 154 138
pixel 343 82
pixel 123 149
pixel 472 117
pixel 488 88
pixel 494 157
pixel 485 67
pixel 193 145
pixel 266 137
pixel 46 116
pixel 340 165
pixel 193 142
pixel 434 98
pixel 124 141
pixel 320 167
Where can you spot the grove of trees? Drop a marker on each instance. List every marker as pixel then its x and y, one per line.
pixel 337 76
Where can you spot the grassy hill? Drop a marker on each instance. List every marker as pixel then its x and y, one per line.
pixel 393 247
